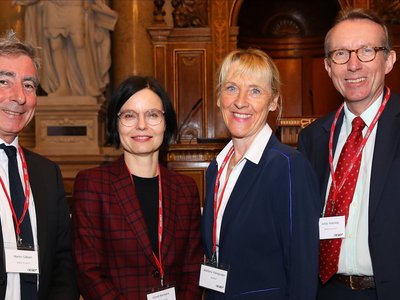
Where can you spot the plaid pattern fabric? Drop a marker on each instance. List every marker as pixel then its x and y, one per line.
pixel 110 240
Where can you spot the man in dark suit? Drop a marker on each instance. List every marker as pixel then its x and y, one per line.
pixel 366 263
pixel 38 238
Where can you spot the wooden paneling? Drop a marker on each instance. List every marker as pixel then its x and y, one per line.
pixel 193 160
pixel 186 72
pixel 323 95
pixel 290 70
pixel 190 86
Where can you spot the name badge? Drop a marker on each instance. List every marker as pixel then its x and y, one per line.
pixel 213 278
pixel 332 227
pixel 21 261
pixel 164 294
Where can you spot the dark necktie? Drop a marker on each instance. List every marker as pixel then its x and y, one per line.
pixel 28 281
pixel 330 248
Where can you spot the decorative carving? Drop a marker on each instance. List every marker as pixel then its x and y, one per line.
pixel 190 13
pixel 389 10
pixel 289 129
pixel 220 29
pixel 283 26
pixel 193 152
pixel 158 12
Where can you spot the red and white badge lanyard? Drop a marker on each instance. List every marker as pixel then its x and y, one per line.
pixel 218 201
pixel 158 260
pixel 27 194
pixel 337 186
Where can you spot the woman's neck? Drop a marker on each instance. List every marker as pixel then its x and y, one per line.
pixel 142 166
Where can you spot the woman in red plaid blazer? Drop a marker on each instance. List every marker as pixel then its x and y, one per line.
pixel 121 249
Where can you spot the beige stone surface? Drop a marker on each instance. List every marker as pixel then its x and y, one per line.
pixel 74 37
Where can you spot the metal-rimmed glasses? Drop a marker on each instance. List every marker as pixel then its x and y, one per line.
pixel 130 118
pixel 364 54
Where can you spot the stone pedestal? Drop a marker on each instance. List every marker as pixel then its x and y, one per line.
pixel 71 125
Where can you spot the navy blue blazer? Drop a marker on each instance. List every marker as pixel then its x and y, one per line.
pixel 384 202
pixel 269 231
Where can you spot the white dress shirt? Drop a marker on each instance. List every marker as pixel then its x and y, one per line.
pixel 253 154
pixel 7 224
pixel 355 258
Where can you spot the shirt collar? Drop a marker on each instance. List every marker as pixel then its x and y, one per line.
pixel 13 143
pixel 255 150
pixel 367 116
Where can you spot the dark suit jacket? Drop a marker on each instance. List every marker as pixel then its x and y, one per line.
pixel 384 202
pixel 56 280
pixel 269 231
pixel 110 239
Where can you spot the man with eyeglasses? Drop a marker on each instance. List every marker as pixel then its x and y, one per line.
pixel 355 152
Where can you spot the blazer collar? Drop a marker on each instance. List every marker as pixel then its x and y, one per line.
pixel 248 175
pixel 386 142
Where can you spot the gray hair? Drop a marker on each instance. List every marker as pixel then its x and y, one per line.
pixel 10 45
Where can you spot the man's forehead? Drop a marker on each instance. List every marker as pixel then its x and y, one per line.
pixel 353 33
pixel 17 65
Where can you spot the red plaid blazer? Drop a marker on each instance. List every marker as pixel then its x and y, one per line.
pixel 111 246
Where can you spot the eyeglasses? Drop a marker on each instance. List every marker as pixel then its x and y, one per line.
pixel 130 118
pixel 364 54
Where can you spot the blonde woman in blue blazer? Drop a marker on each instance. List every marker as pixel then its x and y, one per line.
pixel 260 221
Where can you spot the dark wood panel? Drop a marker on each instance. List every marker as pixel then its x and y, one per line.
pixel 325 98
pixel 290 70
pixel 189 87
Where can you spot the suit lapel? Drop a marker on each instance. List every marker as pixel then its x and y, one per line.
pixel 168 211
pixel 325 158
pixel 36 182
pixel 245 182
pixel 386 144
pixel 207 221
pixel 126 198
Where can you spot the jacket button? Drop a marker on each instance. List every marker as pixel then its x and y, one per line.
pixel 2 279
pixel 155 273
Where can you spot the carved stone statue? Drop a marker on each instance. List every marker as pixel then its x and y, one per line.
pixel 74 36
pixel 189 13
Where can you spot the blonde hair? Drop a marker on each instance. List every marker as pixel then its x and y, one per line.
pixel 255 63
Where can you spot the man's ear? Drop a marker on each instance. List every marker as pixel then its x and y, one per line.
pixel 327 64
pixel 390 60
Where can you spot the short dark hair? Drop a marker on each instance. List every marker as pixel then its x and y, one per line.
pixel 10 45
pixel 123 92
pixel 361 14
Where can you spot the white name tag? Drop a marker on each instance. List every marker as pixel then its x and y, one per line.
pixel 21 261
pixel 213 278
pixel 167 294
pixel 332 227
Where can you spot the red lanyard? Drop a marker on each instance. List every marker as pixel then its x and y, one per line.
pixel 158 260
pixel 27 194
pixel 218 201
pixel 336 186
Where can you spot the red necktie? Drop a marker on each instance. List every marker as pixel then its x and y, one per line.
pixel 330 248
